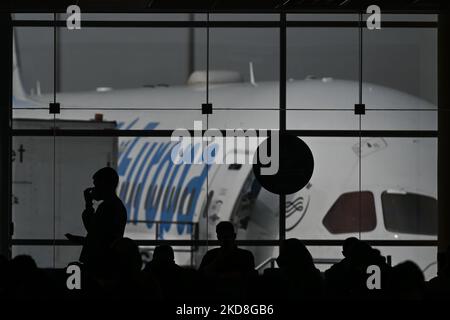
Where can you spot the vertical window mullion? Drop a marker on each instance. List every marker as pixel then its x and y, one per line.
pixel 282 93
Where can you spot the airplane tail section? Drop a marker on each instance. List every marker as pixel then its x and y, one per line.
pixel 18 90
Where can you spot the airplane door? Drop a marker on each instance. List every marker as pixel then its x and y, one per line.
pixel 224 188
pixel 235 195
pixel 225 192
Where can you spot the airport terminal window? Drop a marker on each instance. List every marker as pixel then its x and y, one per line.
pixel 244 62
pixel 352 212
pixel 409 213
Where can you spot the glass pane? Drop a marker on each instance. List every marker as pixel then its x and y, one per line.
pixel 156 190
pixel 152 61
pixel 406 17
pixel 49 256
pixel 244 67
pixel 322 120
pixel 399 120
pixel 134 119
pixel 124 119
pixel 322 69
pixel 33 16
pixel 325 256
pixel 332 178
pixel 243 17
pixel 244 119
pixel 235 194
pixel 321 17
pixel 402 175
pixel 400 68
pixel 411 171
pixel 424 257
pixel 33 66
pixel 33 187
pixel 263 255
pixel 139 16
pixel 76 159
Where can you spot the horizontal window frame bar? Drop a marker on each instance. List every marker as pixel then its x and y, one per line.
pixel 257 109
pixel 220 24
pixel 355 24
pixel 168 133
pixel 365 133
pixel 149 24
pixel 259 243
pixel 394 10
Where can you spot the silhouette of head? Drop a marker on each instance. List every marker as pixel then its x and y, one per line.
pixel 105 182
pixel 126 257
pixel 363 255
pixel 3 270
pixel 447 260
pixel 348 246
pixel 22 265
pixel 225 234
pixel 3 261
pixel 407 277
pixel 164 254
pixel 295 256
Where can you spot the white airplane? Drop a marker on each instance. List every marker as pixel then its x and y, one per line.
pixel 398 176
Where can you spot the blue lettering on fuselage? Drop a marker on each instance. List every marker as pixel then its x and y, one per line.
pixel 172 200
pixel 188 201
pixel 137 186
pixel 124 159
pixel 153 196
pixel 132 185
pixel 160 148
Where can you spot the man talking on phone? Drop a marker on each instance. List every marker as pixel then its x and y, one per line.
pixel 104 225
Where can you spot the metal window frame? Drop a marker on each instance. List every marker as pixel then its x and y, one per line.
pixel 283 24
pixel 255 243
pixel 222 24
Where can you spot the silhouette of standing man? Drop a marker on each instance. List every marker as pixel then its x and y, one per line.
pixel 104 225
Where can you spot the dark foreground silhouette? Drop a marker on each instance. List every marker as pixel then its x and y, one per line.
pixel 228 269
pixel 225 273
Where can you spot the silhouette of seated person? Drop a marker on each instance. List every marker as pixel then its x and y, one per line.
pixel 297 277
pixel 227 269
pixel 3 275
pixel 105 225
pixel 128 279
pixel 406 281
pixel 26 280
pixel 163 261
pixel 228 260
pixel 361 256
pixel 336 277
pixel 171 277
pixel 439 286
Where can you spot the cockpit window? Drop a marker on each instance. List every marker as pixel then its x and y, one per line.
pixel 409 213
pixel 352 212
